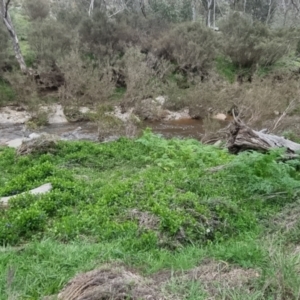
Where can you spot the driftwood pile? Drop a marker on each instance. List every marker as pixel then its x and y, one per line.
pixel 244 138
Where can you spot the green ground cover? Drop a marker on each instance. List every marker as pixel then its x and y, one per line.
pixel 152 203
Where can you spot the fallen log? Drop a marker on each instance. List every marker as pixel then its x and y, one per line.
pixel 45 188
pixel 244 138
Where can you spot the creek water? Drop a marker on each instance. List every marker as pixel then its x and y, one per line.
pixel 183 128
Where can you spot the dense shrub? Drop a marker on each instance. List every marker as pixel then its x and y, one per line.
pixel 85 82
pixel 140 79
pixel 37 9
pixel 49 40
pixel 190 46
pixel 248 44
pixel 105 37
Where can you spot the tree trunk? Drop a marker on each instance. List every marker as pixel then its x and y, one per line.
pixel 269 12
pixel 4 14
pixel 91 8
pixel 209 12
pixel 194 11
pixel 245 5
pixel 244 138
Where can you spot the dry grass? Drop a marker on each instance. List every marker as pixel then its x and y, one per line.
pixel 114 281
pixel 46 143
pixel 145 219
pixel 109 126
pixel 110 282
pixel 141 80
pixel 259 101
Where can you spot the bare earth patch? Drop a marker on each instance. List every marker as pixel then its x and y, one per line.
pixel 10 115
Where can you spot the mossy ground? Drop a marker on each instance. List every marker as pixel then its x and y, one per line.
pixel 151 203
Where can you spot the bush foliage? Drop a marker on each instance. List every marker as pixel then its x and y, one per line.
pixel 189 46
pixel 37 9
pixel 163 53
pixel 248 44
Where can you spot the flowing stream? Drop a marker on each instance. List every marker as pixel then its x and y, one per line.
pixel 183 128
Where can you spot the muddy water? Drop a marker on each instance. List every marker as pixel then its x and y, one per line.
pixel 184 128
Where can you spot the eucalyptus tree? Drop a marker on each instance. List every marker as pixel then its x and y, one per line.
pixel 5 16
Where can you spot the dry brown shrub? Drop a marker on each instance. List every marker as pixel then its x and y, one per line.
pixel 73 114
pixel 213 278
pixel 143 81
pixel 258 102
pixel 110 282
pixel 108 124
pixel 200 98
pixel 148 110
pixel 46 143
pixel 132 128
pixel 262 100
pixel 264 103
pixel 140 78
pixel 213 273
pixel 114 281
pixel 146 220
pixel 214 131
pixel 27 95
pixel 111 127
pixel 286 221
pixel 85 83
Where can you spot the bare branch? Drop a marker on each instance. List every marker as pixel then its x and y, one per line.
pixel 91 7
pixel 142 6
pixel 6 9
pixel 117 12
pixel 295 5
pixel 283 114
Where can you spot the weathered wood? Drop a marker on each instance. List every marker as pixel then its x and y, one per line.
pixel 45 188
pixel 244 138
